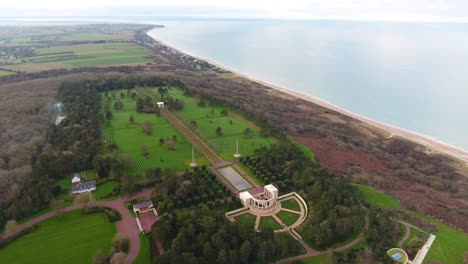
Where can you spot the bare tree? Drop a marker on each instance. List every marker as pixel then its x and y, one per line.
pixel 58 206
pixel 84 199
pixel 118 258
pixel 11 227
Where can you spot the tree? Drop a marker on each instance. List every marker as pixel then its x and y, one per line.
pixel 118 258
pixel 122 95
pixel 84 199
pixel 193 123
pixel 248 132
pixel 120 243
pixel 139 105
pixel 11 227
pixel 219 131
pixel 174 138
pixel 147 127
pixel 223 257
pixel 224 112
pixel 230 122
pixel 118 105
pixel 58 206
pixel 144 150
pixel 99 257
pixel 245 251
pixel 161 141
pixel 131 120
pixel 109 115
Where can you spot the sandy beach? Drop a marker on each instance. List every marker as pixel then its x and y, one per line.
pixel 427 141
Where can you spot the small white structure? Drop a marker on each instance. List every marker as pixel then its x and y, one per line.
pixel 264 201
pixel 144 207
pixel 76 179
pixel 59 119
pixel 160 104
pixel 237 155
pixel 193 163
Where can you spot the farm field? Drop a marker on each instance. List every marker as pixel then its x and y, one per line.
pixel 209 118
pixel 96 36
pixel 450 244
pixel 129 138
pixel 5 73
pixel 74 238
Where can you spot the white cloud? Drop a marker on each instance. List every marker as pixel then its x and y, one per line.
pixel 419 10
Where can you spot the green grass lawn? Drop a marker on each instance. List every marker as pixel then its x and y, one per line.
pixel 246 219
pixel 377 198
pixel 104 190
pixel 291 204
pixel 144 255
pixel 74 238
pixel 5 73
pixel 129 138
pixel 209 118
pixel 323 259
pixel 287 217
pixel 269 222
pixel 450 244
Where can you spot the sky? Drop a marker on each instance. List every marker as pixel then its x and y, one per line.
pixel 393 10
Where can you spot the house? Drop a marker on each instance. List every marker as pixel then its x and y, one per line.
pixel 84 187
pixel 144 207
pixel 76 179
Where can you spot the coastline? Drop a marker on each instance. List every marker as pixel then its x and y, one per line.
pixel 424 140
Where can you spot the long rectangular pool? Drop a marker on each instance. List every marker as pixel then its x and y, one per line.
pixel 234 178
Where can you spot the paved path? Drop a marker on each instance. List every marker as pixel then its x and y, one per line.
pixel 313 253
pixel 127 226
pixel 408 227
pixel 199 144
pixel 422 253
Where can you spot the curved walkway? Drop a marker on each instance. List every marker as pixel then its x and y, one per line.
pixel 313 253
pixel 127 226
pixel 408 227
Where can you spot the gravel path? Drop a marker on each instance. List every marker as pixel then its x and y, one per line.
pixel 408 227
pixel 127 226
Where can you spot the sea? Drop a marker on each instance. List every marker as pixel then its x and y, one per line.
pixel 411 75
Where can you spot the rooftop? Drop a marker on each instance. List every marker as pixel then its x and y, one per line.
pixel 143 205
pixel 84 186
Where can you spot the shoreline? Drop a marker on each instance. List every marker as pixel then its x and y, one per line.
pixel 424 140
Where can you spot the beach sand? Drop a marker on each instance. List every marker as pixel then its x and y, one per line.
pixel 431 143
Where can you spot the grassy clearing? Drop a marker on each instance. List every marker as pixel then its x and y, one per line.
pixel 287 217
pixel 246 219
pixel 5 73
pixel 129 138
pixel 105 190
pixel 291 204
pixel 74 238
pixel 377 198
pixel 209 118
pixel 323 259
pixel 269 222
pixel 450 244
pixel 144 255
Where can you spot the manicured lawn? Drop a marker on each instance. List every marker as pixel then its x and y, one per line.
pixel 209 118
pixel 129 138
pixel 287 217
pixel 269 222
pixel 144 255
pixel 5 73
pixel 450 244
pixel 376 198
pixel 104 190
pixel 74 238
pixel 291 204
pixel 247 219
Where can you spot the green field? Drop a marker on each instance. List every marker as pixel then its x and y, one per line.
pixel 269 222
pixel 287 217
pixel 246 219
pixel 104 190
pixel 96 37
pixel 5 73
pixel 74 238
pixel 144 255
pixel 129 138
pixel 291 204
pixel 323 259
pixel 225 145
pixel 450 244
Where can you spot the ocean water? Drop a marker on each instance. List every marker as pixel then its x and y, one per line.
pixel 410 75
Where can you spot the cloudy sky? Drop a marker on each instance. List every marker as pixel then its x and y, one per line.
pixel 406 10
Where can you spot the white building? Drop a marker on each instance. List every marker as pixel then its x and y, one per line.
pixel 160 104
pixel 260 199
